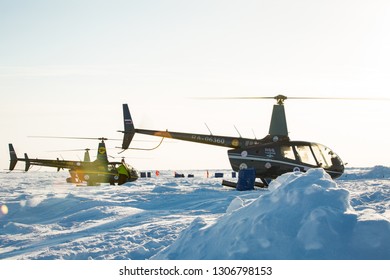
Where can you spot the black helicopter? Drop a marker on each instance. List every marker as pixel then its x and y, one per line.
pixel 90 172
pixel 270 157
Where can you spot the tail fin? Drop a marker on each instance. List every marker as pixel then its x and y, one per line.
pixel 87 158
pixel 13 157
pixel 102 152
pixel 129 131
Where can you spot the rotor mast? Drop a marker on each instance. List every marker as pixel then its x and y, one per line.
pixel 278 125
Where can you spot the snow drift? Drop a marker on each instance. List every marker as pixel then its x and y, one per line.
pixel 304 216
pixel 301 216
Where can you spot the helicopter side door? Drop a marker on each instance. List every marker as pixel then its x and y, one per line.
pixel 305 154
pixel 302 153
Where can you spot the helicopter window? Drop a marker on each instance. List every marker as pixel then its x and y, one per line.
pixel 330 156
pixel 111 167
pixel 287 152
pixel 306 155
pixel 320 154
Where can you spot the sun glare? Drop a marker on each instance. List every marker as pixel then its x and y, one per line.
pixel 4 209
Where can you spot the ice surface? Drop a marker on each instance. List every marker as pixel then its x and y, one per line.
pixel 301 216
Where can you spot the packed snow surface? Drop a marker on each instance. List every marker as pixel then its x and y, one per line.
pixel 300 216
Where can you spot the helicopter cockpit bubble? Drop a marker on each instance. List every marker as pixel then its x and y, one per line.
pixel 313 154
pixel 327 158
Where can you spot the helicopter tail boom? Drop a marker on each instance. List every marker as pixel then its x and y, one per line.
pixel 222 141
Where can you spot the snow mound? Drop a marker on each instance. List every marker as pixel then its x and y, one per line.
pixel 304 216
pixel 376 172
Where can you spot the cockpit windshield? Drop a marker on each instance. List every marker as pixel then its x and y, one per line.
pixel 322 155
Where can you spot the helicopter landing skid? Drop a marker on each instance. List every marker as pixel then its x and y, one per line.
pixel 234 184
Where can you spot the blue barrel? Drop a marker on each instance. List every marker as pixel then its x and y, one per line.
pixel 246 179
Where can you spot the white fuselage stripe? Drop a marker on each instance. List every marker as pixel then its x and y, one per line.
pixel 239 157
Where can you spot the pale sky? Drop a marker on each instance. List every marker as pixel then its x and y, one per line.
pixel 66 67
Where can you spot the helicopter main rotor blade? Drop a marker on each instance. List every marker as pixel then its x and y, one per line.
pixel 339 98
pixel 71 150
pixel 281 98
pixel 78 138
pixel 90 138
pixel 293 97
pixel 235 97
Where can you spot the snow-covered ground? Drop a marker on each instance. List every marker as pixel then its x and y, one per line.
pixel 301 216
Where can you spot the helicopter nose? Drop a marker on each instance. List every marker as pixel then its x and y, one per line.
pixel 337 166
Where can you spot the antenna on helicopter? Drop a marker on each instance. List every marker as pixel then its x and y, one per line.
pixel 237 131
pixel 254 134
pixel 208 128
